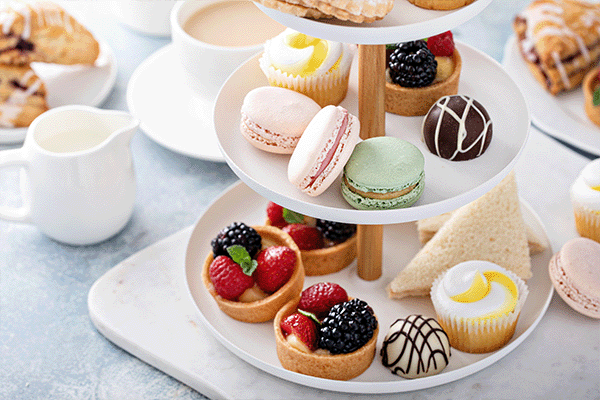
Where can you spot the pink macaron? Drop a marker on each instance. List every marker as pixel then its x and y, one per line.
pixel 274 118
pixel 323 150
pixel 575 273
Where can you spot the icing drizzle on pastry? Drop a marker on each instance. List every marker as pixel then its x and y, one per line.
pixel 13 106
pixel 45 16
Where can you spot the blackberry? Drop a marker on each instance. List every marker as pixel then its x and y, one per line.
pixel 337 232
pixel 347 327
pixel 412 65
pixel 236 233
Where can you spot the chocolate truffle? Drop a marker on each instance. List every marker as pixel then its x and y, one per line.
pixel 415 347
pixel 457 128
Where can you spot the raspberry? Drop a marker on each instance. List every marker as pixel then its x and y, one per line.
pixel 236 233
pixel 320 297
pixel 441 45
pixel 412 65
pixel 275 215
pixel 228 278
pixel 306 237
pixel 276 265
pixel 347 327
pixel 337 232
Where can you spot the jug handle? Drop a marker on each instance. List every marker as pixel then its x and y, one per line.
pixel 14 158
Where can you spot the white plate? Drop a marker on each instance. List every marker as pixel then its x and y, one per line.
pixel 448 184
pixel 72 84
pixel 170 113
pixel 405 22
pixel 561 116
pixel 255 343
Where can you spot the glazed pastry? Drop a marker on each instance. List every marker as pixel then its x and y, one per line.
pixel 406 91
pixel 315 67
pixel 441 4
pixel 273 118
pixel 585 198
pixel 591 91
pixel 457 128
pixel 575 274
pixel 22 96
pixel 43 31
pixel 559 41
pixel 247 284
pixel 383 173
pixel 415 347
pixel 491 228
pixel 478 304
pixel 352 10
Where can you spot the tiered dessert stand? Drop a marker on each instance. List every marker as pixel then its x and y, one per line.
pixel 449 185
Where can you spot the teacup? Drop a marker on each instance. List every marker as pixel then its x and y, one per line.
pixel 150 17
pixel 213 37
pixel 77 177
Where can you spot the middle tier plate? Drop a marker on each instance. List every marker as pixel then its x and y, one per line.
pixel 448 185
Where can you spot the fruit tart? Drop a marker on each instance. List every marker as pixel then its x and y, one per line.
pixel 419 73
pixel 326 246
pixel 326 334
pixel 591 92
pixel 253 271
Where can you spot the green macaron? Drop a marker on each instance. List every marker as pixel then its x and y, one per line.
pixel 383 173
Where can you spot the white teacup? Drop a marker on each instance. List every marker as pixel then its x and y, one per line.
pixel 150 17
pixel 213 37
pixel 77 178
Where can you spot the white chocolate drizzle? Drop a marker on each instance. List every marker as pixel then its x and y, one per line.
pixel 13 106
pixel 45 16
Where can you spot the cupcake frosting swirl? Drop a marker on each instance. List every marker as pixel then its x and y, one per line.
pixel 586 188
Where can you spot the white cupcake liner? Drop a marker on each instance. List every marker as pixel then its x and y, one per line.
pixel 587 221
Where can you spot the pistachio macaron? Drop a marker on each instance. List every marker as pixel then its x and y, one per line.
pixel 383 173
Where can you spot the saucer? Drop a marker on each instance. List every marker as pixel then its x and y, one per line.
pixel 72 84
pixel 171 114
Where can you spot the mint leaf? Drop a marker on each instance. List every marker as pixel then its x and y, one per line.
pixel 292 217
pixel 597 97
pixel 240 255
pixel 310 315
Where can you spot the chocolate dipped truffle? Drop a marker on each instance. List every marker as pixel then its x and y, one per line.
pixel 457 128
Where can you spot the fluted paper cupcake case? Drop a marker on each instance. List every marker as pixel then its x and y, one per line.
pixel 587 221
pixel 479 335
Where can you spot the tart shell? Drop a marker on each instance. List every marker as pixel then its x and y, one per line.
pixel 417 101
pixel 441 4
pixel 338 366
pixel 590 82
pixel 265 309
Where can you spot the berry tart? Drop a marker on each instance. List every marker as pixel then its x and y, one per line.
pixel 253 271
pixel 326 334
pixel 326 246
pixel 419 73
pixel 591 92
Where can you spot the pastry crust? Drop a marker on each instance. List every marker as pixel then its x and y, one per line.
pixel 358 11
pixel 559 41
pixel 441 4
pixel 45 32
pixel 590 83
pixel 417 101
pixel 265 309
pixel 328 366
pixel 22 96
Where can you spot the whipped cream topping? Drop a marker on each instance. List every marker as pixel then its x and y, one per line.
pixel 301 55
pixel 586 188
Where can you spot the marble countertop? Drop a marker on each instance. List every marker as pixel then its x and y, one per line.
pixel 51 350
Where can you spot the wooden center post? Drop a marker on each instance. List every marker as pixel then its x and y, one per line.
pixel 371 113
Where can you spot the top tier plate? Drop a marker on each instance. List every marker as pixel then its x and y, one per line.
pixel 405 22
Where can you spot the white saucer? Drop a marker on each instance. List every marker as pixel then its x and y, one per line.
pixel 170 113
pixel 562 116
pixel 72 84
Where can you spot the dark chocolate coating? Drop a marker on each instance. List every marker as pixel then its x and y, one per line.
pixel 476 131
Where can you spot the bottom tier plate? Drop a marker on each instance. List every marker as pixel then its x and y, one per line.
pixel 255 343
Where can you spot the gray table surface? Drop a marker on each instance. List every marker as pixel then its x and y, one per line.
pixel 48 347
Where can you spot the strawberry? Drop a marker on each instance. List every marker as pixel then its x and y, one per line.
pixel 306 237
pixel 275 215
pixel 441 45
pixel 275 267
pixel 228 278
pixel 320 297
pixel 300 331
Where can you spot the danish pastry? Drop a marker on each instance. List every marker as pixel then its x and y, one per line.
pixel 559 41
pixel 347 10
pixel 22 96
pixel 45 32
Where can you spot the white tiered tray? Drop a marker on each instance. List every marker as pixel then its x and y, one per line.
pixel 255 343
pixel 448 185
pixel 405 22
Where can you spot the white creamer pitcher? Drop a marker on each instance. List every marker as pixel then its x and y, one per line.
pixel 77 177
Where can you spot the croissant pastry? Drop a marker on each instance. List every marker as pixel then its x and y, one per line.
pixel 22 96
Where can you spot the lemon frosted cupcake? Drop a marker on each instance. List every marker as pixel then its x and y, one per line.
pixel 585 197
pixel 315 67
pixel 478 304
